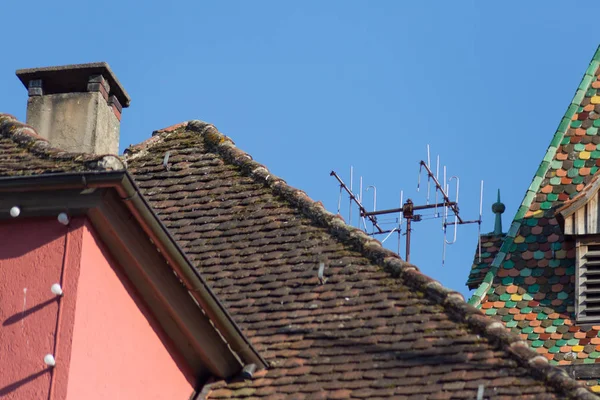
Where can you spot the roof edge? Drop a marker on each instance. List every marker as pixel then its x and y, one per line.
pixel 26 137
pixel 452 301
pixel 534 187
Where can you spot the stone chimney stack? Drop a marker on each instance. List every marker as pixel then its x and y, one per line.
pixel 76 107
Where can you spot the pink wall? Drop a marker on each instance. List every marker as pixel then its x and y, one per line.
pixel 31 260
pixel 108 344
pixel 117 350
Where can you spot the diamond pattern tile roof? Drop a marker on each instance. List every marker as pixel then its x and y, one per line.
pixel 372 327
pixel 529 285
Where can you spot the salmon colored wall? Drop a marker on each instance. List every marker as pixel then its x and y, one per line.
pixel 108 346
pixel 31 260
pixel 118 350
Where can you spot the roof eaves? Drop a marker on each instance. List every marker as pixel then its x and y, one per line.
pixel 452 302
pixel 534 187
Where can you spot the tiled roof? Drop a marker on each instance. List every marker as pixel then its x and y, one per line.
pixel 371 327
pixel 490 246
pixel 530 284
pixel 23 152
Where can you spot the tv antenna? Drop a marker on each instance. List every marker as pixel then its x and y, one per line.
pixel 439 201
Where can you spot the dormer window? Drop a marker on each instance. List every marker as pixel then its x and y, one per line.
pixel 580 220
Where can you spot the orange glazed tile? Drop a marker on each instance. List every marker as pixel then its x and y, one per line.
pixel 512 289
pixel 579 187
pixel 595 85
pixel 565 349
pixel 539 329
pixel 582 355
pixel 562 156
pixel 590 147
pixel 596 327
pixel 590 107
pixel 575 329
pixel 554 316
pixel 544 336
pixel 597 348
pixel 531 317
pixel 534 323
pixel 541 350
pixel 566 181
pixel 555 336
pixel 549 356
pixel 514 311
pixel 485 306
pixel 498 304
pixel 575 117
pixel 580 132
pixel 564 362
pixel 560 173
pixel 520 317
pixel 595 340
pixel 548 188
pixel 568 322
pixel 578 335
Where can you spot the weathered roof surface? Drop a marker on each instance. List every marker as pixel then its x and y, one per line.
pixel 374 327
pixel 530 284
pixel 23 152
pixel 490 246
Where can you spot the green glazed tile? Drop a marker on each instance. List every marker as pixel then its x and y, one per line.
pixel 537 343
pixel 576 124
pixel 510 304
pixel 546 205
pixel 541 316
pixel 507 281
pixel 573 342
pixel 525 272
pixel 531 221
pixel 565 140
pixel 511 324
pixel 589 93
pixel 551 329
pixel 579 146
pixel 533 336
pixel 554 350
pixel 586 81
pixel 577 180
pixel 527 329
pixel 591 131
pixel 552 196
pixel 576 164
pixel 507 318
pixel 556 164
pixel 561 342
pixel 525 310
pixel 491 311
pixel 554 181
pixel 527 297
pixel 538 255
pixel 594 170
pixel 596 123
pixel 508 264
pixel 505 297
pixel 533 288
pixel 594 354
pixel 562 296
pixel 595 154
pixel 588 361
pixel 579 109
pixel 570 270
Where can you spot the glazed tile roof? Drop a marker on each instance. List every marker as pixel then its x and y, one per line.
pixel 23 152
pixel 530 283
pixel 490 245
pixel 371 327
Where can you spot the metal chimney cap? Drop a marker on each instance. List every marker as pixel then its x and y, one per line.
pixel 73 78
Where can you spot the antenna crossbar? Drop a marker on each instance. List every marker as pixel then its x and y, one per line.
pixel 361 208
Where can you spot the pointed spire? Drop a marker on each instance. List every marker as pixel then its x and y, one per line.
pixel 498 208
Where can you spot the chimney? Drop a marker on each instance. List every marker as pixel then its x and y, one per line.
pixel 76 107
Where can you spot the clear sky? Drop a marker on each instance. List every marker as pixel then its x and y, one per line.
pixel 307 87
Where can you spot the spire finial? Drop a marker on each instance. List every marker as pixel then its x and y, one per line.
pixel 498 208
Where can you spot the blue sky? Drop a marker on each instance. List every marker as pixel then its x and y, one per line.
pixel 308 87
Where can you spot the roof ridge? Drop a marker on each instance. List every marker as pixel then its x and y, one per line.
pixel 534 187
pixel 452 301
pixel 25 136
